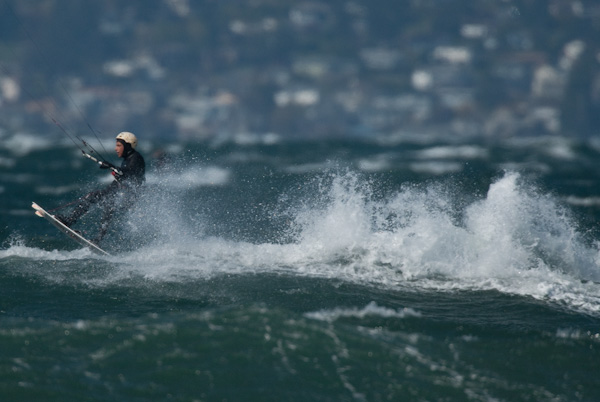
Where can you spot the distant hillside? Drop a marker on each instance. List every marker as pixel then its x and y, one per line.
pixel 306 68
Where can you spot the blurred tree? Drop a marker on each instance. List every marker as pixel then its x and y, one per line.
pixel 580 113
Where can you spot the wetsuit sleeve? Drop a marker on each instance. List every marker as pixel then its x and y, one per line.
pixel 133 170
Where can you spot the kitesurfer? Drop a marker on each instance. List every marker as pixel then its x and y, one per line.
pixel 121 193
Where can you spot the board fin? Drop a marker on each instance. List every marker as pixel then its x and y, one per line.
pixel 76 236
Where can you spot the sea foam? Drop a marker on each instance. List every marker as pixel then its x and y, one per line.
pixel 514 239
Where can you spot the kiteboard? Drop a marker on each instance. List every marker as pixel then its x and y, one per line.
pixel 41 212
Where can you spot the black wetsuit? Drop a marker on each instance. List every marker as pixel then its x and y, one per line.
pixel 133 169
pixel 120 194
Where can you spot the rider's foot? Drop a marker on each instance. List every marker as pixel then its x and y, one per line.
pixel 65 220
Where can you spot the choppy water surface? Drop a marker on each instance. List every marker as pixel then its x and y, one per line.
pixel 308 271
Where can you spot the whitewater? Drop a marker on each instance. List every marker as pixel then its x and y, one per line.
pixel 377 272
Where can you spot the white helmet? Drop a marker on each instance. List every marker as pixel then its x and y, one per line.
pixel 128 137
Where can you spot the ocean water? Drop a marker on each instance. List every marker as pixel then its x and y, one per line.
pixel 256 269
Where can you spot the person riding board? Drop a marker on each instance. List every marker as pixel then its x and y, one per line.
pixel 121 193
